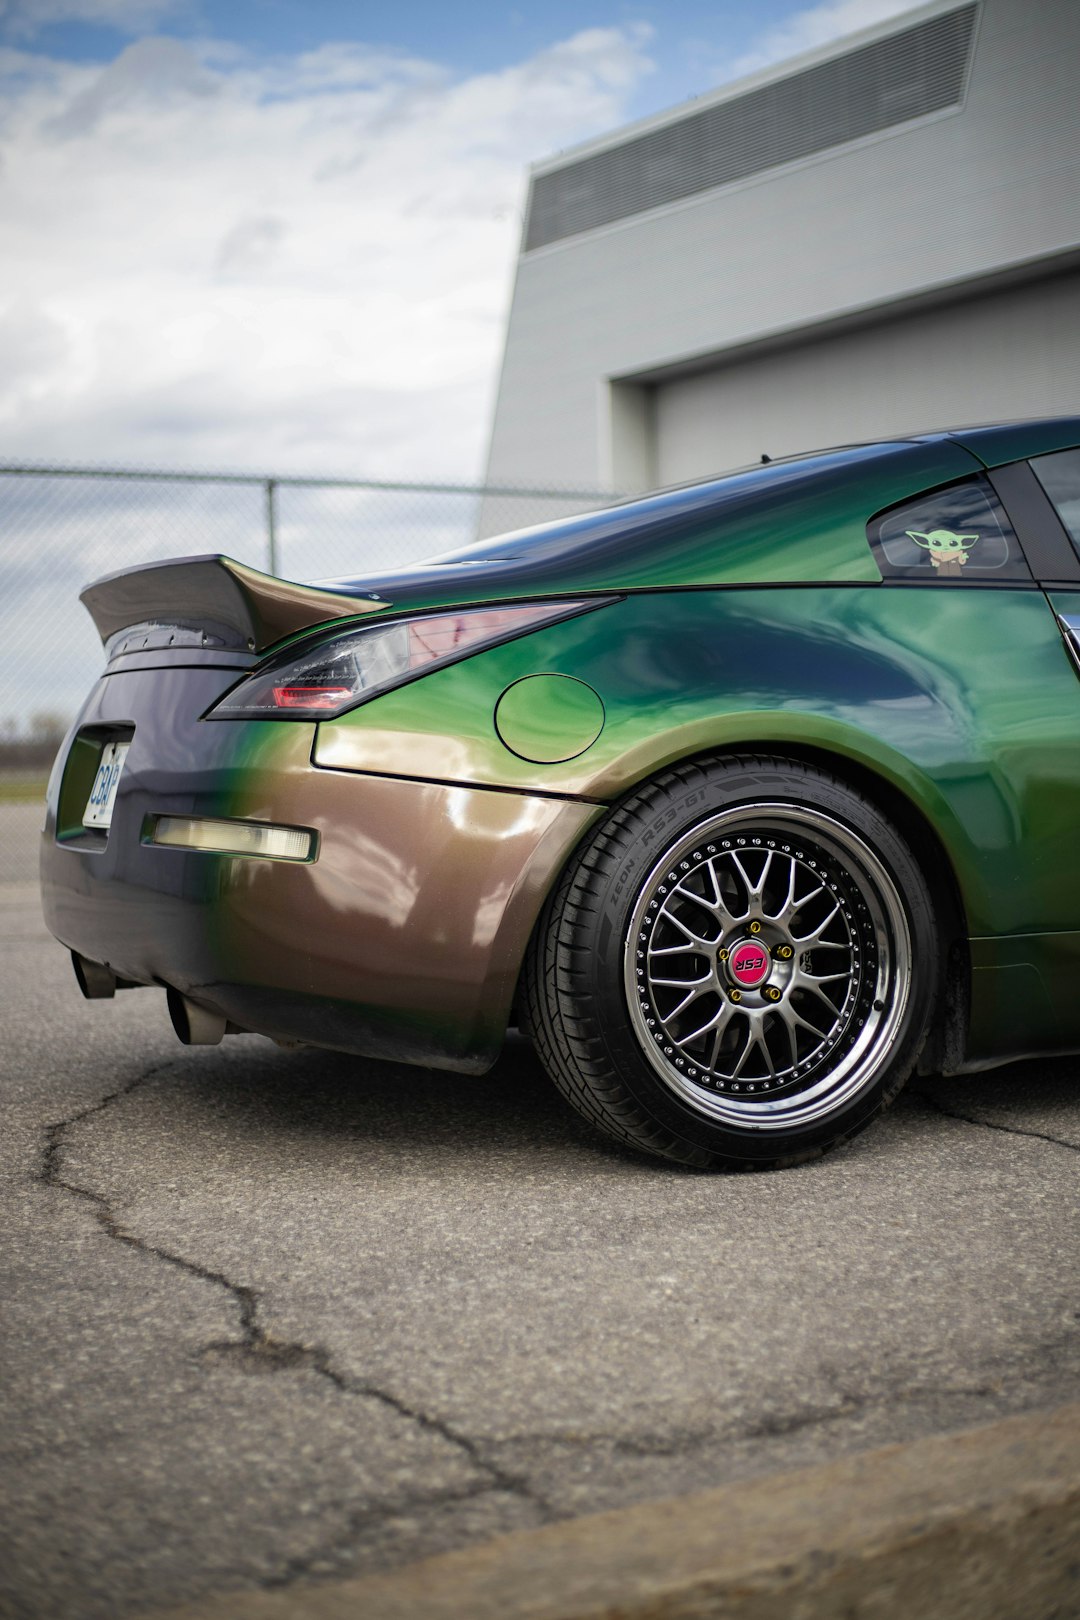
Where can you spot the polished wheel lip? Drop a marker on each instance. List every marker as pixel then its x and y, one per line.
pixel 882 999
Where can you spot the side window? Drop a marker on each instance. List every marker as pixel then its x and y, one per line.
pixel 1059 475
pixel 955 534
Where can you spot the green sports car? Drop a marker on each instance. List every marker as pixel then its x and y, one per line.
pixel 744 800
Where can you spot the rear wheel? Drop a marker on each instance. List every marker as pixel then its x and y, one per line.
pixel 738 969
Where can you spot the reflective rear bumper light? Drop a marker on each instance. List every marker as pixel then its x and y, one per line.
pixel 233 838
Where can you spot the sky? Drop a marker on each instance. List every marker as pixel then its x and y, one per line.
pixel 280 235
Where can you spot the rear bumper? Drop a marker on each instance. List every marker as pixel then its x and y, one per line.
pixel 403 938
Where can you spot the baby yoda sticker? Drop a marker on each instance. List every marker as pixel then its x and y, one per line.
pixel 959 534
pixel 948 551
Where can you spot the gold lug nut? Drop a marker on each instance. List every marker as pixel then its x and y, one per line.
pixel 784 952
pixel 773 993
pixel 736 995
pixel 755 928
pixel 722 956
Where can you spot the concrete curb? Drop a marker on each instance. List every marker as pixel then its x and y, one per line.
pixel 980 1525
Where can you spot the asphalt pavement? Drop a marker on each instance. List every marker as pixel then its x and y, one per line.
pixel 277 1317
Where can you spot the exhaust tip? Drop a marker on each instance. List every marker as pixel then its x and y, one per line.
pixel 194 1025
pixel 96 981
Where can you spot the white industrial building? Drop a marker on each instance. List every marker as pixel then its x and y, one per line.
pixel 872 238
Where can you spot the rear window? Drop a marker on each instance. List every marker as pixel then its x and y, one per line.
pixel 1059 475
pixel 952 536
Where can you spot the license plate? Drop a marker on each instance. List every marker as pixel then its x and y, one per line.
pixel 99 806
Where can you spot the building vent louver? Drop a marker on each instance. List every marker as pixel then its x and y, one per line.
pixel 891 81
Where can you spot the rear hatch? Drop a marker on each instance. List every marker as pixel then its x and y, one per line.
pixel 200 622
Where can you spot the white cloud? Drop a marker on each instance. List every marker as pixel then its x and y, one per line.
pixel 296 265
pixel 150 74
pixel 806 30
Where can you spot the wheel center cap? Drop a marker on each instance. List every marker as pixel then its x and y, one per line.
pixel 749 963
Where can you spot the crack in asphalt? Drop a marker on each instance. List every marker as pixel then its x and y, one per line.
pixel 277 1355
pixel 678 1444
pixel 51 1175
pixel 991 1125
pixel 683 1443
pixel 259 1351
pixel 991 1383
pixel 777 1426
pixel 371 1518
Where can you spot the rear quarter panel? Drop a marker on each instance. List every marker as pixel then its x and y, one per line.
pixel 963 699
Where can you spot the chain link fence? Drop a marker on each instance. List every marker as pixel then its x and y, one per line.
pixel 61 527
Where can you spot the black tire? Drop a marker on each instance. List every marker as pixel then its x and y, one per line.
pixel 739 967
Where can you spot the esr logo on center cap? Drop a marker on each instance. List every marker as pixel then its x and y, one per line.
pixel 749 963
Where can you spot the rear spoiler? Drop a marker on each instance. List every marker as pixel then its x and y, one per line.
pixel 236 605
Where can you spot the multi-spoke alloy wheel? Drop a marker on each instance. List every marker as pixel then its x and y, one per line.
pixel 740 967
pixel 767 964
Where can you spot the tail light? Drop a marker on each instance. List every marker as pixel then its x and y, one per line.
pixel 348 668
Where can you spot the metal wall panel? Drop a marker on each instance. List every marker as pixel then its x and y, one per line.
pixel 890 81
pixel 932 368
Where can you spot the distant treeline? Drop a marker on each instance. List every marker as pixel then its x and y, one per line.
pixel 29 754
pixel 34 748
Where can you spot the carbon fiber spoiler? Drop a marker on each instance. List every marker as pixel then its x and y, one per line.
pixel 237 605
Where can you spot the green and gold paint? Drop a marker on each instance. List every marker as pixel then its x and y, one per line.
pixel 445 810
